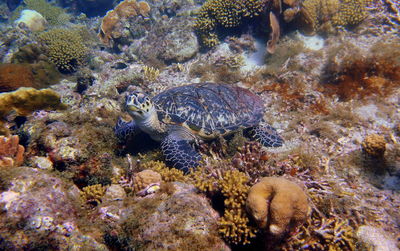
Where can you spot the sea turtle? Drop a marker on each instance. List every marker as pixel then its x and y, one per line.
pixel 179 116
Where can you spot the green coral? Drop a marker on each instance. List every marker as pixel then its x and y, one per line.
pixel 226 14
pixel 65 48
pixel 53 14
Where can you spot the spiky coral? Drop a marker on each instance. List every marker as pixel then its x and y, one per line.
pixel 226 14
pixel 65 48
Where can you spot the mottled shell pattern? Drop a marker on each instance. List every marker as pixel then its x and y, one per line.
pixel 209 110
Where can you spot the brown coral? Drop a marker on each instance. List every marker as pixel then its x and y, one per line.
pixel 144 178
pixel 11 153
pixel 277 203
pixel 113 19
pixel 13 76
pixel 374 145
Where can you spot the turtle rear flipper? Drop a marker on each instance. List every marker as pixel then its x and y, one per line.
pixel 125 130
pixel 266 135
pixel 179 153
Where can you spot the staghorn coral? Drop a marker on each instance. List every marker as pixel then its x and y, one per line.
pixel 277 204
pixel 26 100
pixel 374 145
pixel 92 194
pixel 65 48
pixel 150 73
pixel 11 152
pixel 227 14
pixel 113 20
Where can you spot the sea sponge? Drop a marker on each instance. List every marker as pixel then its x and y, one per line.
pixel 65 48
pixel 144 178
pixel 113 20
pixel 26 100
pixel 32 20
pixel 11 152
pixel 374 145
pixel 277 203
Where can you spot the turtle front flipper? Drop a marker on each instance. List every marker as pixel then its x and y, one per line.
pixel 125 130
pixel 179 153
pixel 266 135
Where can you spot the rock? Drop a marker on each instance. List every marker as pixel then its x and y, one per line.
pixel 40 210
pixel 42 163
pixel 183 220
pixel 114 192
pixel 375 239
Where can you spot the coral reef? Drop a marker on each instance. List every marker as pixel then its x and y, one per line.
pixel 11 152
pixel 26 100
pixel 167 174
pixel 226 14
pixel 65 48
pixel 32 20
pixel 53 14
pixel 325 16
pixel 276 204
pixel 374 145
pixel 112 23
pixel 93 194
pixel 13 76
pixel 145 178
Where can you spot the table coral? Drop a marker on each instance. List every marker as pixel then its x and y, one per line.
pixel 113 20
pixel 11 152
pixel 277 203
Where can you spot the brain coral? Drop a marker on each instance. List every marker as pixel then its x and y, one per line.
pixel 226 13
pixel 65 48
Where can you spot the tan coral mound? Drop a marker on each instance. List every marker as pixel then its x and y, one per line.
pixel 277 203
pixel 374 145
pixel 11 152
pixel 144 178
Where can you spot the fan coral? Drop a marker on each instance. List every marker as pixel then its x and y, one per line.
pixel 374 145
pixel 65 48
pixel 226 14
pixel 113 20
pixel 277 203
pixel 11 153
pixel 26 100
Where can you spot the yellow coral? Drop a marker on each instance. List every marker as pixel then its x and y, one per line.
pixel 224 13
pixel 351 12
pixel 93 194
pixel 150 73
pixel 374 145
pixel 26 100
pixel 66 48
pixel 167 174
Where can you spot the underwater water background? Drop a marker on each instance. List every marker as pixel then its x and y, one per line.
pixel 199 125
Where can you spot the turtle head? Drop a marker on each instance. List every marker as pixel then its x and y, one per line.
pixel 139 105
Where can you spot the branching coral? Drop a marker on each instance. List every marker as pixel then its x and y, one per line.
pixel 11 152
pixel 167 174
pixel 92 194
pixel 320 15
pixel 226 14
pixel 65 48
pixel 26 100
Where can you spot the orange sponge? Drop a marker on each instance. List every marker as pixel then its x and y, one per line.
pixel 277 203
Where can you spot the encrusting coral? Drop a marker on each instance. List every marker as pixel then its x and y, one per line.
pixel 11 152
pixel 277 204
pixel 26 100
pixel 112 22
pixel 374 145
